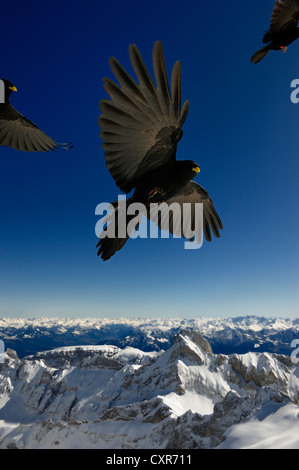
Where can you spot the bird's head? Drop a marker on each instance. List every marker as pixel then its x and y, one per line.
pixel 9 88
pixel 193 168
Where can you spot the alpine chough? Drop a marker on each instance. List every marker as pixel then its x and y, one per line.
pixel 283 29
pixel 140 128
pixel 18 132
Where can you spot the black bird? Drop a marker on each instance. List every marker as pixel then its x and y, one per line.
pixel 283 29
pixel 18 132
pixel 140 128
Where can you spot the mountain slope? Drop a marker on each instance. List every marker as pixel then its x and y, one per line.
pixel 107 397
pixel 226 336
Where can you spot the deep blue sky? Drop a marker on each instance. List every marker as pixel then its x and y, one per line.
pixel 242 129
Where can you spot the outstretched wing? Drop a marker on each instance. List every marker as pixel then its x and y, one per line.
pixel 187 226
pixel 18 132
pixel 141 124
pixel 284 18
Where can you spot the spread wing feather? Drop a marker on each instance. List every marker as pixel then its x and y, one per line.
pixel 284 18
pixel 188 227
pixel 142 121
pixel 20 133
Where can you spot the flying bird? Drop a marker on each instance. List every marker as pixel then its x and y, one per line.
pixel 18 132
pixel 283 29
pixel 140 128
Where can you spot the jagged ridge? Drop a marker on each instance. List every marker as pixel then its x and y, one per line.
pixel 107 397
pixel 226 336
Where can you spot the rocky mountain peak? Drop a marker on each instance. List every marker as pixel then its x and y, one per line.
pixel 196 338
pixel 104 396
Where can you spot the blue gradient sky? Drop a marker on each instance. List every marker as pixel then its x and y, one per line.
pixel 242 129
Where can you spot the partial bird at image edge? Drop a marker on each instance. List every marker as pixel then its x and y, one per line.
pixel 283 29
pixel 18 132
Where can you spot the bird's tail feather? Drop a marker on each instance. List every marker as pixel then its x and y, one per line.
pixel 260 54
pixel 114 237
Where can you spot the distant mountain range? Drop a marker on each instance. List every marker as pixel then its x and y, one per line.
pixel 226 336
pixel 185 397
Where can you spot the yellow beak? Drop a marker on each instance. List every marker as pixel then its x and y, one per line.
pixel 196 169
pixel 13 88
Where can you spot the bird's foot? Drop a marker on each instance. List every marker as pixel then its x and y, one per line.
pixel 156 195
pixel 283 49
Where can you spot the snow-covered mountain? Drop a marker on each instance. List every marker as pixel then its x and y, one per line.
pixel 184 397
pixel 231 335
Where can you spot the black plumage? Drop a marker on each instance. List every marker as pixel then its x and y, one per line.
pixel 19 132
pixel 140 128
pixel 283 29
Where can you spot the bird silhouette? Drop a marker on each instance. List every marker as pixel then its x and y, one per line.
pixel 283 29
pixel 18 132
pixel 140 128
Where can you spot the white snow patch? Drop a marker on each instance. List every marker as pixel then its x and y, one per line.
pixel 279 430
pixel 179 404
